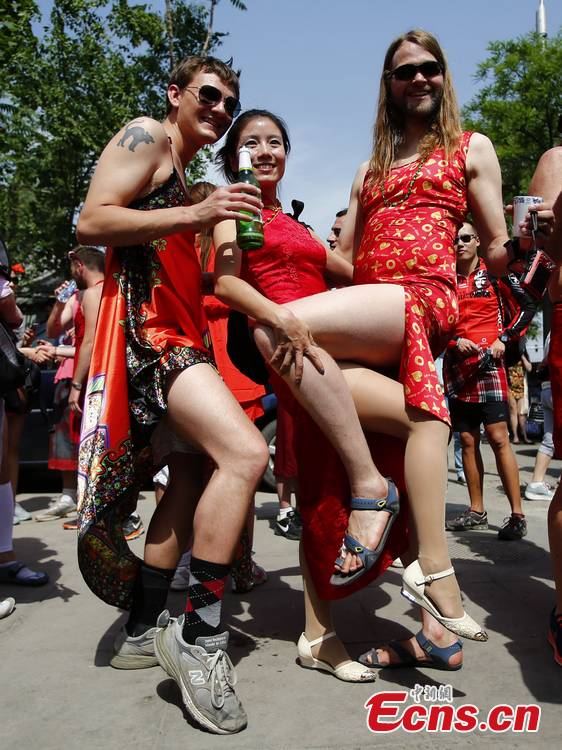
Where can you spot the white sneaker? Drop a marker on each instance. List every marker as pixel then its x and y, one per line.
pixel 58 509
pixel 7 606
pixel 539 491
pixel 21 513
pixel 205 676
pixel 136 652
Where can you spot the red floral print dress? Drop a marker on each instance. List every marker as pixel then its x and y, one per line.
pixel 411 223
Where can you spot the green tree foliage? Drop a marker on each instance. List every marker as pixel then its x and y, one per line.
pixel 66 88
pixel 519 104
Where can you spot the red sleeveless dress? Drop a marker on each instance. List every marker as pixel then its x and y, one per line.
pixel 410 241
pixel 247 393
pixel 150 324
pixel 291 265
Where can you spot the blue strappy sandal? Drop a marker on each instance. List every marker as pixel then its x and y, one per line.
pixel 389 504
pixel 438 657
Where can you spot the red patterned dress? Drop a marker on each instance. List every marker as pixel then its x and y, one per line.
pixel 291 265
pixel 410 228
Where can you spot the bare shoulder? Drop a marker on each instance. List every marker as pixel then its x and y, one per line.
pixel 129 163
pixel 481 154
pixel 479 145
pixel 551 159
pixel 362 171
pixel 359 178
pixel 142 131
pixel 91 295
pixel 547 179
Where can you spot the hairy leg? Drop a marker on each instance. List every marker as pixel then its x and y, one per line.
pixel 285 489
pixel 513 422
pixel 203 411
pixel 506 463
pixel 542 462
pixel 171 524
pixel 473 469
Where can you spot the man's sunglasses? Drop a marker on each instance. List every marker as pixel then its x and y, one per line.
pixel 428 69
pixel 464 238
pixel 211 96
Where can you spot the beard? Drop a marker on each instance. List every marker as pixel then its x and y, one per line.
pixel 425 110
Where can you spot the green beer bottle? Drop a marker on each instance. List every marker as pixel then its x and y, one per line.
pixel 249 234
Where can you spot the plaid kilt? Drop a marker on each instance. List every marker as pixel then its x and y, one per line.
pixel 478 378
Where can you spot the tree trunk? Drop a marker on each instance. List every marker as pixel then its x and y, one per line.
pixel 170 30
pixel 207 41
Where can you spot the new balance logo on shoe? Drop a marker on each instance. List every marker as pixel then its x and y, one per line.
pixel 196 677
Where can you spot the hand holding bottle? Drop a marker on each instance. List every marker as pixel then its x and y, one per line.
pixel 231 202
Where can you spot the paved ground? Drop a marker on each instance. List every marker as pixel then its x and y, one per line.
pixel 59 691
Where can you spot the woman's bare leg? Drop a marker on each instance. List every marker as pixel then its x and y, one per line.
pixel 362 324
pixel 366 324
pixel 318 620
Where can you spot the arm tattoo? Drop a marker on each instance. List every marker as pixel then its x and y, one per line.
pixel 137 134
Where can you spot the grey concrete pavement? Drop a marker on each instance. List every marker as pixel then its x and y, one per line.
pixel 58 690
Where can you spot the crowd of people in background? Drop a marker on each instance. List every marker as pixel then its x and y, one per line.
pixel 158 380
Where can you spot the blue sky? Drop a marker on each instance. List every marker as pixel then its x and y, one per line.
pixel 317 64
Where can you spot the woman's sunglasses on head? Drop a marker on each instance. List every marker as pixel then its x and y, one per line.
pixel 211 96
pixel 428 69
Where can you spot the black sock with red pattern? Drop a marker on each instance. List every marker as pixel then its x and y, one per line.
pixel 204 599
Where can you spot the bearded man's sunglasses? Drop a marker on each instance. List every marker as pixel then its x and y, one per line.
pixel 428 69
pixel 211 96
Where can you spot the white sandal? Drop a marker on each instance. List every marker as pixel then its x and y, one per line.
pixel 413 588
pixel 348 671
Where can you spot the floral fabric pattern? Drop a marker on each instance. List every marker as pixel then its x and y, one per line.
pixel 409 240
pixel 150 324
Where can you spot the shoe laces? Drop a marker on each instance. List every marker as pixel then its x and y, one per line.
pixel 222 676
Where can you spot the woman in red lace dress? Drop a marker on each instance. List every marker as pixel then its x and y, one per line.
pixel 291 265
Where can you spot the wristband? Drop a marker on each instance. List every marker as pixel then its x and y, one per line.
pixel 504 338
pixel 76 386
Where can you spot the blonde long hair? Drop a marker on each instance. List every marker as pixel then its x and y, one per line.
pixel 444 131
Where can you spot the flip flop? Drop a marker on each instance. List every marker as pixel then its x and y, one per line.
pixel 438 656
pixel 389 504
